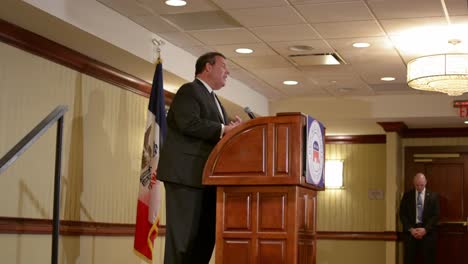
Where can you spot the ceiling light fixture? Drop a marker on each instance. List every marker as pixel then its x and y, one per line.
pixel 445 73
pixel 466 122
pixel 176 2
pixel 244 50
pixel 387 79
pixel 290 82
pixel 361 45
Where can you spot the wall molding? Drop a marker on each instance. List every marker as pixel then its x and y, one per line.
pixel 402 129
pixel 358 235
pixel 17 225
pixel 356 139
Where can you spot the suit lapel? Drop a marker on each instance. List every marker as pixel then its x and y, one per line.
pixel 211 101
pixel 427 200
pixel 413 205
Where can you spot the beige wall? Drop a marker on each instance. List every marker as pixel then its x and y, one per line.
pixel 103 135
pixel 340 252
pixel 350 209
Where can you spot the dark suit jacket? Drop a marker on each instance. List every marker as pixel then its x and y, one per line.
pixel 430 213
pixel 194 128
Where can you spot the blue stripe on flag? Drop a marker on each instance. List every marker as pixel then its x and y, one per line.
pixel 156 103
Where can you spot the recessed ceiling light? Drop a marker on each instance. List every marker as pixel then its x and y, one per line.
pixel 176 2
pixel 244 50
pixel 466 122
pixel 300 48
pixel 387 79
pixel 290 82
pixel 361 45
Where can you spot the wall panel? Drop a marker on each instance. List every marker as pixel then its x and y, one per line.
pixel 350 209
pixel 103 134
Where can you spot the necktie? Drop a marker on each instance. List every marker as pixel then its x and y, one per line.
pixel 218 105
pixel 419 208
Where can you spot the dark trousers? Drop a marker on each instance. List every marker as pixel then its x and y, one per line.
pixel 190 224
pixel 425 247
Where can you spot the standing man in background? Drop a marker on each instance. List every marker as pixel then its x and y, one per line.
pixel 419 214
pixel 196 122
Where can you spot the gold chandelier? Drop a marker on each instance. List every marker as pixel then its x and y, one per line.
pixel 446 73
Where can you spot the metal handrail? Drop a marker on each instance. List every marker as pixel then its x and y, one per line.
pixel 55 116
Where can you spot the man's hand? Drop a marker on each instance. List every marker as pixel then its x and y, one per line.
pixel 418 233
pixel 232 125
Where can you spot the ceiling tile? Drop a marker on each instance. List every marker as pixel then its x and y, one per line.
pixel 288 32
pixel 127 8
pixel 326 75
pixel 278 75
pixel 350 88
pixel 197 51
pixel 372 72
pixel 256 83
pixel 193 6
pixel 260 49
pixel 459 19
pixel 300 2
pixel 392 88
pixel 319 46
pixel 202 20
pixel 154 24
pixel 261 62
pixel 349 29
pixel 335 12
pixel 224 37
pixel 272 16
pixel 377 44
pixel 275 78
pixel 303 89
pixel 240 4
pixel 457 7
pixel 399 26
pixel 387 9
pixel 181 39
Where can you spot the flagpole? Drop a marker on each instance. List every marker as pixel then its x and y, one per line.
pixel 149 196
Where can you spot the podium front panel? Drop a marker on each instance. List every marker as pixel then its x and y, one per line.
pixel 265 224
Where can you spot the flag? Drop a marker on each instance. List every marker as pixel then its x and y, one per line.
pixel 149 196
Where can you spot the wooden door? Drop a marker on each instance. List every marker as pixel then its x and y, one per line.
pixel 446 170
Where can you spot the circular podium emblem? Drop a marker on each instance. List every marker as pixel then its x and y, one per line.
pixel 315 152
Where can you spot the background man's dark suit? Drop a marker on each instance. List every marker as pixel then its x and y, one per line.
pixel 194 128
pixel 430 218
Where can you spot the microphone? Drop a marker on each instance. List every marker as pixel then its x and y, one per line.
pixel 249 112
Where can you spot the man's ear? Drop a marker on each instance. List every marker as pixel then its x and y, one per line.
pixel 208 67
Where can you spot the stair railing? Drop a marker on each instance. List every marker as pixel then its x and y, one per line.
pixel 55 116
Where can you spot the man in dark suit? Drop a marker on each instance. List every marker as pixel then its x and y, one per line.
pixel 196 122
pixel 419 214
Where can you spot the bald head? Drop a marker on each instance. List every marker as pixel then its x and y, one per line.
pixel 419 182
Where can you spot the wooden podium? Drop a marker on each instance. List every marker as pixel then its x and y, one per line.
pixel 265 212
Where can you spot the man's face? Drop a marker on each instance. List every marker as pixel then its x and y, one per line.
pixel 218 73
pixel 419 184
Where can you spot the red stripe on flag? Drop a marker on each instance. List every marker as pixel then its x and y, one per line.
pixel 142 229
